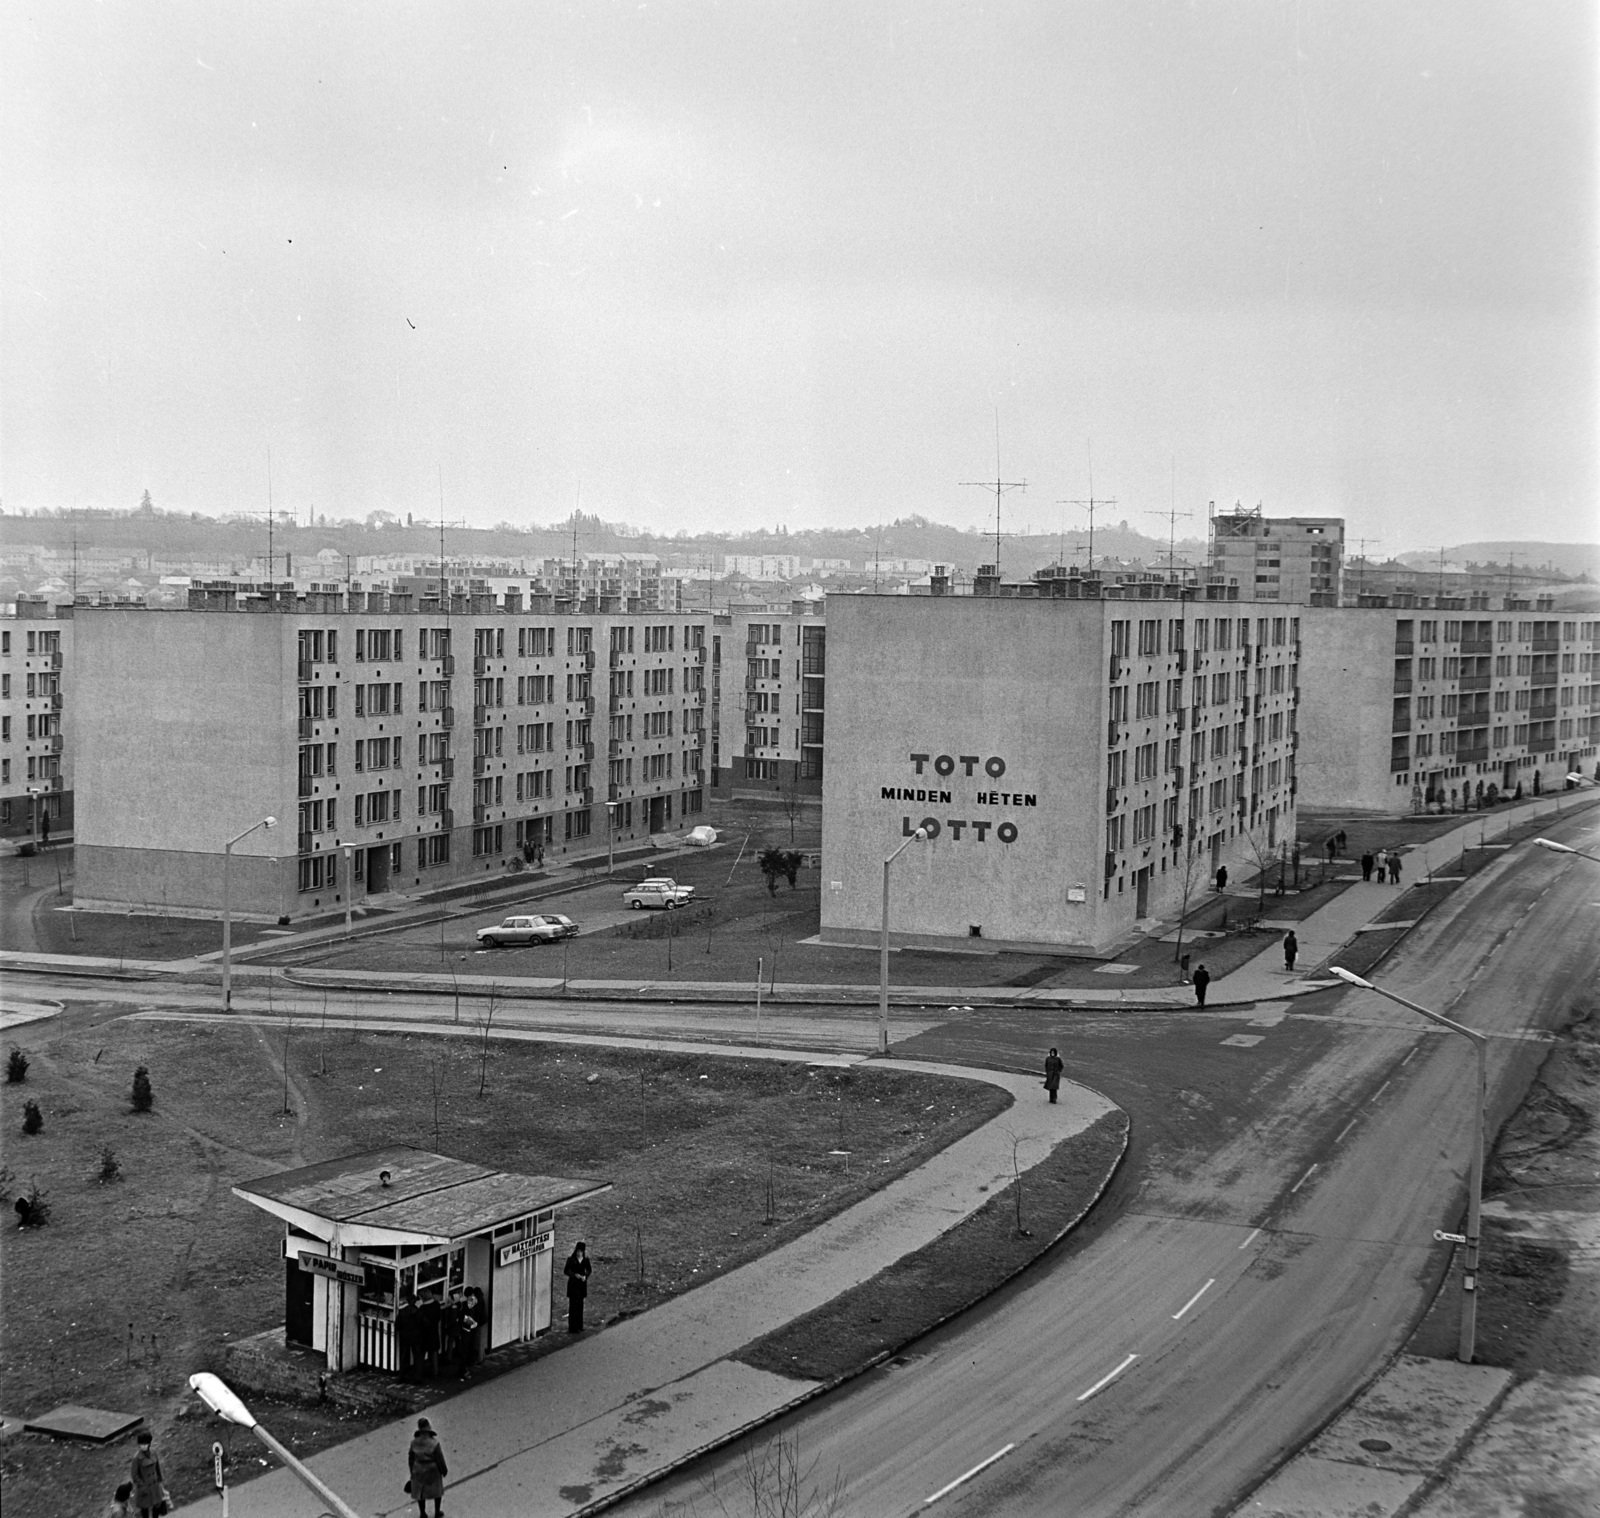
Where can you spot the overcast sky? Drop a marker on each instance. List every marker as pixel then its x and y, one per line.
pixel 723 266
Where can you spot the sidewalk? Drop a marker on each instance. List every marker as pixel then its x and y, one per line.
pixel 1321 935
pixel 568 1433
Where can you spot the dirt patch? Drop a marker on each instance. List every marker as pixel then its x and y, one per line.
pixel 136 1282
pixel 957 1269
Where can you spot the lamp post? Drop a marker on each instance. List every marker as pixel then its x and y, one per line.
pixel 37 793
pixel 227 909
pixel 1469 1277
pixel 611 834
pixel 1565 848
pixel 920 836
pixel 220 1398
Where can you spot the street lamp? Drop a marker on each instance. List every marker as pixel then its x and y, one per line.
pixel 1564 848
pixel 38 793
pixel 220 1398
pixel 227 909
pixel 920 836
pixel 1469 1278
pixel 611 834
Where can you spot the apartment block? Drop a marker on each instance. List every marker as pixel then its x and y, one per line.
pixel 36 778
pixel 770 700
pixel 399 747
pixel 1438 704
pixel 1082 759
pixel 1297 559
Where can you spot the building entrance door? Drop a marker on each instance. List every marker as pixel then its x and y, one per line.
pixel 298 1296
pixel 1141 885
pixel 378 869
pixel 658 817
pixel 1216 851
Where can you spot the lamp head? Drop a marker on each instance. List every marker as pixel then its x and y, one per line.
pixel 921 835
pixel 220 1399
pixel 269 822
pixel 1350 977
pixel 1553 846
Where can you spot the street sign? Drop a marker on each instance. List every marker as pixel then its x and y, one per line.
pixel 216 1465
pixel 334 1270
pixel 1449 1238
pixel 535 1244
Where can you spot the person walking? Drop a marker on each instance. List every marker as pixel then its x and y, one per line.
pixel 44 827
pixel 425 1460
pixel 149 1492
pixel 1339 839
pixel 577 1271
pixel 1367 862
pixel 1291 947
pixel 1222 877
pixel 1332 848
pixel 1053 1067
pixel 1202 979
pixel 1394 866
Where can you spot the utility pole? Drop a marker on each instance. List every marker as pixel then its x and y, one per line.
pixel 999 486
pixel 1091 505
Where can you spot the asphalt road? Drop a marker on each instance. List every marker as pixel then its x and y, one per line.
pixel 1267 1246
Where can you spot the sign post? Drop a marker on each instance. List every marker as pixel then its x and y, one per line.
pixel 218 1477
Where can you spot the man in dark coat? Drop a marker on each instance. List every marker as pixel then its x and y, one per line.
pixel 577 1271
pixel 1052 1074
pixel 149 1490
pixel 429 1316
pixel 1291 947
pixel 1202 979
pixel 426 1464
pixel 407 1335
pixel 1222 877
pixel 1367 862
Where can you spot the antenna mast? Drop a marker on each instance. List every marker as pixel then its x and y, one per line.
pixel 1091 505
pixel 269 514
pixel 1361 574
pixel 999 486
pixel 1172 514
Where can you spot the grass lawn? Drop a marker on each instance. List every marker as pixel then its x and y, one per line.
pixel 134 1282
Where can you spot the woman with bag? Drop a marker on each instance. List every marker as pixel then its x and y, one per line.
pixel 425 1459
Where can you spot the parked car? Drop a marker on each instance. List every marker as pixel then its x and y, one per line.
pixel 659 891
pixel 701 837
pixel 546 928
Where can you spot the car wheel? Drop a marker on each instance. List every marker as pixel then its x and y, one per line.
pixel 491 943
pixel 635 905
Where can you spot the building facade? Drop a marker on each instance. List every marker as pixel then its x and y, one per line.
pixel 1441 703
pixel 36 771
pixel 398 748
pixel 1297 559
pixel 770 699
pixel 1082 762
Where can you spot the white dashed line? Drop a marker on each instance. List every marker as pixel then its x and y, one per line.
pixel 1195 1298
pixel 1301 1182
pixel 1250 1238
pixel 982 1465
pixel 1379 1092
pixel 1344 1130
pixel 1107 1380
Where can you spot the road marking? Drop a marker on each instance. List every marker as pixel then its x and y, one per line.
pixel 1250 1238
pixel 1195 1298
pixel 1301 1182
pixel 1344 1130
pixel 982 1465
pixel 1409 1052
pixel 1107 1380
pixel 1379 1092
pixel 1243 1040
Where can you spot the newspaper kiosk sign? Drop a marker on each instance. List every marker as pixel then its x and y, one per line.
pixel 334 1270
pixel 537 1243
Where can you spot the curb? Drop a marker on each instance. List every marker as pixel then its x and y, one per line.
pixel 721 1441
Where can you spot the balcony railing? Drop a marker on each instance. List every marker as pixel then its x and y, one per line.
pixel 55 660
pixel 447 769
pixel 303 842
pixel 307 668
pixel 1539 746
pixel 1111 798
pixel 1544 645
pixel 480 763
pixel 1475 755
pixel 1113 733
pixel 55 743
pixel 479 813
pixel 447 665
pixel 480 715
pixel 1398 762
pixel 1542 713
pixel 614 748
pixel 480 663
pixel 447 819
pixel 55 700
pixel 1116 666
pixel 1543 677
pixel 1475 682
pixel 305 785
pixel 1477 646
pixel 447 716
pixel 1402 684
pixel 307 728
pixel 1404 646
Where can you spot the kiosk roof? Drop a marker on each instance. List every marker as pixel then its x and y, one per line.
pixel 429 1196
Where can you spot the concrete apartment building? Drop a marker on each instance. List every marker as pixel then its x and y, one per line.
pixel 1084 756
pixel 36 772
pixel 769 694
pixel 1265 558
pixel 1438 703
pixel 397 745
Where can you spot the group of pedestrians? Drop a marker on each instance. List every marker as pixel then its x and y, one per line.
pixel 439 1332
pixel 1386 862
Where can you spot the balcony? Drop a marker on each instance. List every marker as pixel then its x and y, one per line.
pixel 1404 646
pixel 1111 798
pixel 1475 682
pixel 480 715
pixel 55 660
pixel 480 664
pixel 307 671
pixel 1539 746
pixel 303 842
pixel 1178 718
pixel 700 655
pixel 1177 776
pixel 305 785
pixel 1480 646
pixel 586 704
pixel 1399 724
pixel 447 819
pixel 1542 645
pixel 1113 733
pixel 447 717
pixel 614 748
pixel 55 743
pixel 480 814
pixel 1477 717
pixel 1402 685
pixel 1116 666
pixel 586 750
pixel 586 796
pixel 55 697
pixel 1544 712
pixel 1111 864
pixel 447 769
pixel 1398 762
pixel 1183 661
pixel 480 764
pixel 1541 678
pixel 1475 755
pixel 447 665
pixel 307 728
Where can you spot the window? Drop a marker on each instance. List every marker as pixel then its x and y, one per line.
pixel 433 850
pixel 1149 638
pixel 1220 687
pixel 1144 824
pixel 489 840
pixel 319 872
pixel 1144 761
pixel 1147 702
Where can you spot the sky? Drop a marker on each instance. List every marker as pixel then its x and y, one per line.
pixel 709 266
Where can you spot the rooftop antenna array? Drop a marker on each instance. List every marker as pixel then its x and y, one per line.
pixel 999 486
pixel 1361 574
pixel 1091 505
pixel 1172 514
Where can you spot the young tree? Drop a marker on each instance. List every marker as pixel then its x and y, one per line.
pixel 32 1118
pixel 16 1067
pixel 143 1097
pixel 771 863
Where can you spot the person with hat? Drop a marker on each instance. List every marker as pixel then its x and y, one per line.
pixel 577 1271
pixel 425 1460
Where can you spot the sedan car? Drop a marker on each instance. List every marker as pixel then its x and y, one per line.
pixel 520 930
pixel 659 891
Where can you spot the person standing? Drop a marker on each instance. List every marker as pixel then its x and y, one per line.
pixel 577 1271
pixel 429 1323
pixel 1394 866
pixel 425 1460
pixel 1202 979
pixel 472 1319
pixel 1367 862
pixel 149 1493
pixel 121 1505
pixel 1332 848
pixel 44 826
pixel 407 1336
pixel 1222 877
pixel 1053 1067
pixel 1291 947
pixel 1339 839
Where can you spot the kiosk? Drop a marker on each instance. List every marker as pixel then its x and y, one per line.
pixel 362 1232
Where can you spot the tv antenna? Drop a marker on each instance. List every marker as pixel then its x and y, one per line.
pixel 444 575
pixel 1091 506
pixel 1361 574
pixel 999 486
pixel 1172 514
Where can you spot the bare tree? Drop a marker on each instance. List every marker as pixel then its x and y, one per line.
pixel 772 1481
pixel 483 1043
pixel 1016 1175
pixel 1191 870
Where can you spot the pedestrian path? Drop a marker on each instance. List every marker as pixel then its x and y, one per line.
pixel 564 1433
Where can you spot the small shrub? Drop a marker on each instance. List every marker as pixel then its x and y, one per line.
pixel 32 1117
pixel 33 1209
pixel 16 1067
pixel 143 1097
pixel 110 1165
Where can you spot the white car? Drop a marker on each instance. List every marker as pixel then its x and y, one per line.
pixel 660 891
pixel 546 928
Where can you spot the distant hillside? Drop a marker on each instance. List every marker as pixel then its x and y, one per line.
pixel 1565 558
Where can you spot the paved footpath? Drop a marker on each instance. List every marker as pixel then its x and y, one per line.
pixel 570 1431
